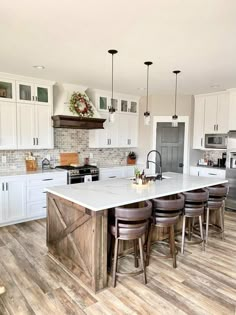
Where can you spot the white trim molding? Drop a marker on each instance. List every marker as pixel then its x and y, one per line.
pixel 183 119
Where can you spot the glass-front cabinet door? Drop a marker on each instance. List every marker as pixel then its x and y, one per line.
pixel 133 107
pixel 43 94
pixel 102 103
pixel 114 102
pixel 7 90
pixel 25 92
pixel 124 106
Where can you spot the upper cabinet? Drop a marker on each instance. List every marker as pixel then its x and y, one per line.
pixel 217 113
pixel 199 122
pixel 7 90
pixel 26 107
pixel 33 93
pixel 213 114
pixel 123 132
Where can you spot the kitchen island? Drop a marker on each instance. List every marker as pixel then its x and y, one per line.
pixel 77 221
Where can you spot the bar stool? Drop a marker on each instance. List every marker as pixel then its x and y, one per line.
pixel 166 211
pixel 195 202
pixel 130 224
pixel 216 202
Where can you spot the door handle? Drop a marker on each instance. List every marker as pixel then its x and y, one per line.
pixel 6 186
pixel 181 164
pixel 201 142
pixel 37 141
pixel 3 187
pixel 47 179
pixel 33 141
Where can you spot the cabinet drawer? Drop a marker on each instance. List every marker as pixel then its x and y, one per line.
pixel 47 180
pixel 35 209
pixel 35 193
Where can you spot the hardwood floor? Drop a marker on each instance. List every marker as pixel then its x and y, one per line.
pixel 204 282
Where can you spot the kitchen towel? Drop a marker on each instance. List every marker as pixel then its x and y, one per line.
pixel 87 178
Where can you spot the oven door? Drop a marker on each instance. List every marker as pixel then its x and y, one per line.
pixel 80 179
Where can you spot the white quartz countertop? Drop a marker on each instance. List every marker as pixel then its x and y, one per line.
pixel 24 172
pixel 105 194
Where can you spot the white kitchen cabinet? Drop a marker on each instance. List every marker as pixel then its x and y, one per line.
pixel 8 139
pixel 232 109
pixel 34 126
pixel 13 199
pixel 199 123
pixel 7 90
pixel 116 172
pixel 28 93
pixel 207 172
pixel 216 113
pixel 128 131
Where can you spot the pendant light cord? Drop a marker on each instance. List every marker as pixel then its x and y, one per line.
pixel 147 87
pixel 175 93
pixel 112 81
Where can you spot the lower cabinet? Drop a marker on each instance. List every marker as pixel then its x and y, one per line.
pixel 13 199
pixel 23 197
pixel 116 172
pixel 207 172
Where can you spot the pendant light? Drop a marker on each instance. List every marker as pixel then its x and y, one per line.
pixel 147 117
pixel 111 108
pixel 175 117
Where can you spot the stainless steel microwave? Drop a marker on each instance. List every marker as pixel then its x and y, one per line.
pixel 216 141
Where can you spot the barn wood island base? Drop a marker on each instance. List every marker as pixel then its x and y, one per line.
pixel 77 222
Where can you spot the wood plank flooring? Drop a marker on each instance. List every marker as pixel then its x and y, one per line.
pixel 204 282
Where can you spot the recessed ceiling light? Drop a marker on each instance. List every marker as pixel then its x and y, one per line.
pixel 39 67
pixel 215 86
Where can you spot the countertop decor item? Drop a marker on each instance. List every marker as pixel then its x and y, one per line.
pixel 131 158
pixel 80 104
pixel 112 108
pixel 46 164
pixel 175 117
pixel 30 162
pixel 147 117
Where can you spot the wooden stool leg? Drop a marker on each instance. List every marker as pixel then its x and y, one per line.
pixel 201 232
pixel 115 261
pixel 172 245
pixel 189 229
pixel 149 244
pixel 135 254
pixel 222 222
pixel 207 224
pixel 142 260
pixel 183 235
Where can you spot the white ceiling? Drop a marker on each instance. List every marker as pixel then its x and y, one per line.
pixel 71 38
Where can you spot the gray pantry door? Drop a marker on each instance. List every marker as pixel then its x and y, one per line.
pixel 170 143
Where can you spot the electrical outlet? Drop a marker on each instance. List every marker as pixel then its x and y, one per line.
pixel 4 159
pixel 91 155
pixel 48 157
pixel 126 153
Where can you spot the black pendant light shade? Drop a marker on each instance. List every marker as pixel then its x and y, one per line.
pixel 111 108
pixel 175 117
pixel 147 113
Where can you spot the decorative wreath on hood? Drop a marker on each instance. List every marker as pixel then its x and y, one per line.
pixel 80 104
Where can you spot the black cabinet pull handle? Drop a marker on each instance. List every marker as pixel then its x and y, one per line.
pixel 47 179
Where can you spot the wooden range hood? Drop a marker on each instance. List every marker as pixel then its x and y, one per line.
pixel 73 122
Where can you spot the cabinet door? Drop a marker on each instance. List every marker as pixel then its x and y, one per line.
pixel 15 199
pixel 223 113
pixel 43 94
pixel 232 110
pixel 43 127
pixel 7 90
pixel 128 131
pixel 199 122
pixel 124 106
pixel 26 126
pixel 25 92
pixel 133 107
pixel 102 102
pixel 8 126
pixel 2 205
pixel 194 171
pixel 211 113
pixel 133 131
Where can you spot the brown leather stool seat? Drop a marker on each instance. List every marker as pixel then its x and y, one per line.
pixel 216 202
pixel 130 223
pixel 195 202
pixel 166 211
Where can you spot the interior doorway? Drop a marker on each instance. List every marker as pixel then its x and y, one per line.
pixel 170 143
pixel 185 145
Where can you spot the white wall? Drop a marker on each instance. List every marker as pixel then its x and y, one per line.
pixel 163 105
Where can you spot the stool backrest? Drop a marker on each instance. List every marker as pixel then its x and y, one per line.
pixel 134 214
pixel 218 191
pixel 197 195
pixel 169 203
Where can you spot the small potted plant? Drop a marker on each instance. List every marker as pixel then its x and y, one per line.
pixel 131 158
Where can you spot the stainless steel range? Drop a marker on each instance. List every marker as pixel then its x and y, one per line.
pixel 80 174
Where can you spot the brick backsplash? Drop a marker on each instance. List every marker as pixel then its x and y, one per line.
pixel 212 155
pixel 67 140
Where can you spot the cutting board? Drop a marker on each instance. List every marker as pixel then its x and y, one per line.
pixel 69 158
